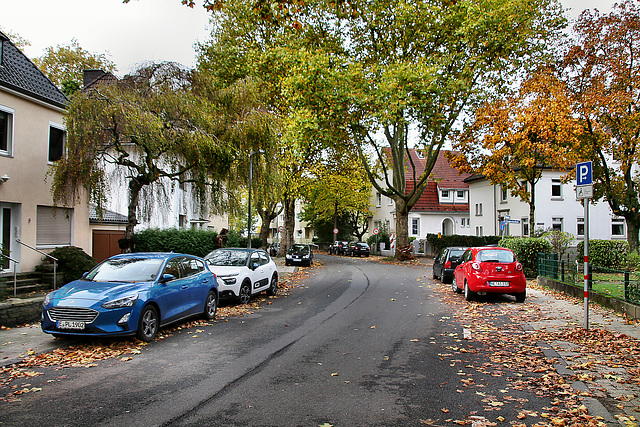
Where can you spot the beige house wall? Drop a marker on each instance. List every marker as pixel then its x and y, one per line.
pixel 28 185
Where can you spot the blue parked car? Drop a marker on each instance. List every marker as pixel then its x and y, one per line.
pixel 132 294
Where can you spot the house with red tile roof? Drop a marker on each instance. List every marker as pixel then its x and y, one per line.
pixel 442 208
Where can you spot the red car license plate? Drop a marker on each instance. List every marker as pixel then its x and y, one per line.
pixel 499 284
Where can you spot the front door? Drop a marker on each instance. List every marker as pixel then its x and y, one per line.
pixel 5 238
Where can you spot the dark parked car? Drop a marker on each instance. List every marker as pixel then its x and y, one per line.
pixel 299 253
pixel 338 248
pixel 132 294
pixel 446 261
pixel 358 249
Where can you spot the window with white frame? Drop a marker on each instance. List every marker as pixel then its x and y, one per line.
pixel 389 201
pixel 378 200
pixel 503 194
pixel 556 189
pixel 478 209
pixel 56 142
pixel 525 226
pixel 460 194
pixel 415 226
pixel 617 227
pixel 6 131
pixel 53 226
pixel 556 224
pixel 444 194
pixel 580 227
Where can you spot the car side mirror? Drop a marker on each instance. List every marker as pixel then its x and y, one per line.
pixel 167 278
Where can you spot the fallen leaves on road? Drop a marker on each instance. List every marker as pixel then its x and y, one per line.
pixel 517 355
pixel 88 354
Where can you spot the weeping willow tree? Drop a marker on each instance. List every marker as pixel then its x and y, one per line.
pixel 159 125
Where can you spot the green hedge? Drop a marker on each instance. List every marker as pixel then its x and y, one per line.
pixel 526 250
pixel 193 242
pixel 606 253
pixel 438 242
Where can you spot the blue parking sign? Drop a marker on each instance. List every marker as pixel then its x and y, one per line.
pixel 584 173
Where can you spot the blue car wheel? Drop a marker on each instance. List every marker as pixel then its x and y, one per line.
pixel 149 324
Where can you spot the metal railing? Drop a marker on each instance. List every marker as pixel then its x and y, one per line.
pixel 15 276
pixel 617 283
pixel 55 262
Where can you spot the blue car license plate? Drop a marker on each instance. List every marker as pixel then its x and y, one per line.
pixel 67 324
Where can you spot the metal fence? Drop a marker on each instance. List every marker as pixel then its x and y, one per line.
pixel 621 284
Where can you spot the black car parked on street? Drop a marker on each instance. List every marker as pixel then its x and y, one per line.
pixel 446 261
pixel 358 249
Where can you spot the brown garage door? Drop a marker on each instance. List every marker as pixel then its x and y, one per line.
pixel 105 243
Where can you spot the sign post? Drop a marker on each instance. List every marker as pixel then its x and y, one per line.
pixel 584 191
pixel 375 233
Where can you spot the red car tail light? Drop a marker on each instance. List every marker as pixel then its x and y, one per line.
pixel 447 264
pixel 518 266
pixel 476 266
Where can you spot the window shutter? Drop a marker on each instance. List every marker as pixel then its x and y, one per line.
pixel 53 226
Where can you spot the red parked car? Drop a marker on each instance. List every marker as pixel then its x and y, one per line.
pixel 486 270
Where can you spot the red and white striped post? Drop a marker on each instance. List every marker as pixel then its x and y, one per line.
pixel 586 263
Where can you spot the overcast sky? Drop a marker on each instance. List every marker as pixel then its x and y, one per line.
pixel 142 30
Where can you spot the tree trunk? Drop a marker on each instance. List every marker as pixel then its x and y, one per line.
pixel 632 234
pixel 402 223
pixel 289 224
pixel 127 243
pixel 532 209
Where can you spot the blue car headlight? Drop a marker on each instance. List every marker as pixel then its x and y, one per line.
pixel 47 299
pixel 129 301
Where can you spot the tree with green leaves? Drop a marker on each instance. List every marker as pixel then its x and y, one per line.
pixel 65 64
pixel 151 129
pixel 245 45
pixel 604 77
pixel 339 192
pixel 408 72
pixel 511 141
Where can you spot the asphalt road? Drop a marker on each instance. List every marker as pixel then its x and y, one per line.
pixel 357 343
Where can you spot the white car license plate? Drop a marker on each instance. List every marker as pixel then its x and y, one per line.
pixel 67 324
pixel 498 283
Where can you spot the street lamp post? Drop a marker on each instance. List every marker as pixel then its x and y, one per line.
pixel 250 180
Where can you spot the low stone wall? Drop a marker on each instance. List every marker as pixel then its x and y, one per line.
pixel 631 310
pixel 18 311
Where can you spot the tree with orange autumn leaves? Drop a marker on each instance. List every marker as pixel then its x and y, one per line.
pixel 604 79
pixel 511 140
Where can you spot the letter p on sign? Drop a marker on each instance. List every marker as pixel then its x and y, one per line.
pixel 584 173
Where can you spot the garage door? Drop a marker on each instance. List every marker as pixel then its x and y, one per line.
pixel 105 243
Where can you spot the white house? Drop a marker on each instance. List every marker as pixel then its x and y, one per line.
pixel 443 207
pixel 556 208
pixel 32 137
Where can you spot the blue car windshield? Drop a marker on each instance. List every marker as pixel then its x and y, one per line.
pixel 126 270
pixel 227 258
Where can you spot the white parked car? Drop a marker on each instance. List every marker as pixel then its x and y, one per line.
pixel 242 272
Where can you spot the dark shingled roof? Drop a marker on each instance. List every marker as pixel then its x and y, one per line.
pixel 18 73
pixel 108 217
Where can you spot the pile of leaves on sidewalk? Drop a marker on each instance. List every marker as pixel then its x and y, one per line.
pixel 15 380
pixel 517 355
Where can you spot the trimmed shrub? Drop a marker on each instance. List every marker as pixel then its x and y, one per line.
pixel 526 250
pixel 606 253
pixel 73 262
pixel 438 242
pixel 192 242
